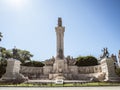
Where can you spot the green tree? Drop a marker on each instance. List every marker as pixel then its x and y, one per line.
pixel 5 54
pixel 3 65
pixel 8 54
pixel 3 61
pixel 24 55
pixel 86 61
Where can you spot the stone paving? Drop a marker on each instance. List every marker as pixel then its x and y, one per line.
pixel 53 81
pixel 61 88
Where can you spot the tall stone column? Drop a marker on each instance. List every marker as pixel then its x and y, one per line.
pixel 60 39
pixel 60 67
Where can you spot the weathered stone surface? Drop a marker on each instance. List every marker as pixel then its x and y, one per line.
pixel 108 68
pixel 60 39
pixel 89 69
pixel 12 70
pixel 47 70
pixel 30 70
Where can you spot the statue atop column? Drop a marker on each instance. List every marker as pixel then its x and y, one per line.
pixel 15 53
pixel 59 21
pixel 105 53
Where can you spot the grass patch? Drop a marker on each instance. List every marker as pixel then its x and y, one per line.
pixel 62 85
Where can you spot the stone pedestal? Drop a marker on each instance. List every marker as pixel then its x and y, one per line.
pixel 108 68
pixel 60 69
pixel 56 76
pixel 12 70
pixel 60 66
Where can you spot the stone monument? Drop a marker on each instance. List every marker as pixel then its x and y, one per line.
pixel 108 67
pixel 13 68
pixel 60 66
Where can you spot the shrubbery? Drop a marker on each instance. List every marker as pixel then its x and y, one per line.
pixel 86 61
pixel 33 64
pixel 3 65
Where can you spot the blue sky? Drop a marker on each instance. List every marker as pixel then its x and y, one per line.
pixel 90 25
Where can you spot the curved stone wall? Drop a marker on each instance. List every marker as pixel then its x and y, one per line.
pixel 31 70
pixel 76 72
pixel 89 69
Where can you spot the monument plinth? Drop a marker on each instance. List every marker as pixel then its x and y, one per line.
pixel 108 68
pixel 12 70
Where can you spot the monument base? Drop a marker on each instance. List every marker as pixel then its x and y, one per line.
pixel 56 76
pixel 12 71
pixel 60 66
pixel 108 67
pixel 112 79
